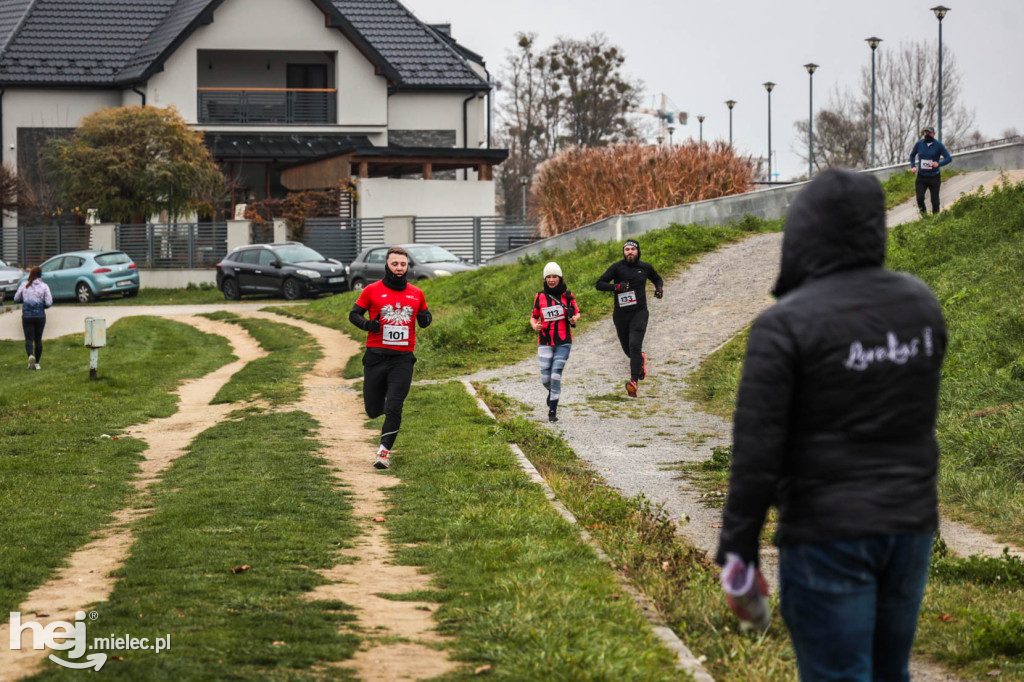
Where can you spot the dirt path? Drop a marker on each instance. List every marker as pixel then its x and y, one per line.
pixel 338 408
pixel 87 578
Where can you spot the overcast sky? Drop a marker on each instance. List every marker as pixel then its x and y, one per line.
pixel 703 53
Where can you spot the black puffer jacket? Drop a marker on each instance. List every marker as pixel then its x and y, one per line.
pixel 835 418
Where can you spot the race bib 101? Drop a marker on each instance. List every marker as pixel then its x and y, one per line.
pixel 394 335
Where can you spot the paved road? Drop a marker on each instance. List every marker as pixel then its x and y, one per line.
pixel 69 318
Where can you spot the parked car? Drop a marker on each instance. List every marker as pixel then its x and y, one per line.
pixel 291 269
pixel 10 278
pixel 425 261
pixel 89 275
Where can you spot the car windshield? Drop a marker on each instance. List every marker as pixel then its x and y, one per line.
pixel 297 254
pixel 3 264
pixel 116 258
pixel 432 254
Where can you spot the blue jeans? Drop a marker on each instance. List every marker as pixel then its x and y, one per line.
pixel 552 361
pixel 851 606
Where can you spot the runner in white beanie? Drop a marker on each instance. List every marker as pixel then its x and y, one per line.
pixel 554 313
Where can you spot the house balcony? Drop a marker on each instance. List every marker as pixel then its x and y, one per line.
pixel 268 106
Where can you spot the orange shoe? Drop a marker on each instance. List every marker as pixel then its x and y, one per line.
pixel 631 388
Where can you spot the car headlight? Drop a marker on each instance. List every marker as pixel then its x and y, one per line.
pixel 312 274
pixel 441 273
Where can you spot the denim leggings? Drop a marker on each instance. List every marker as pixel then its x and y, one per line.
pixel 552 361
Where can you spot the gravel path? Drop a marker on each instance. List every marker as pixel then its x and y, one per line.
pixel 638 445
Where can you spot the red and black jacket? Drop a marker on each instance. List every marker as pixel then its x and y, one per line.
pixel 554 312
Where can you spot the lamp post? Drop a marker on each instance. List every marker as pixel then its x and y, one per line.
pixel 769 86
pixel 700 120
pixel 940 14
pixel 671 129
pixel 920 107
pixel 730 103
pixel 873 44
pixel 523 180
pixel 811 68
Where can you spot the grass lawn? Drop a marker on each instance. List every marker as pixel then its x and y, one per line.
pixel 970 255
pixel 250 492
pixel 60 479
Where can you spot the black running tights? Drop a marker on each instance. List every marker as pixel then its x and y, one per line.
pixel 386 381
pixel 631 330
pixel 33 327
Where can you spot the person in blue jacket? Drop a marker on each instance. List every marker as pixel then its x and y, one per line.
pixel 926 158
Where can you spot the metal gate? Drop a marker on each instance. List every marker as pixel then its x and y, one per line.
pixel 475 239
pixel 37 243
pixel 343 238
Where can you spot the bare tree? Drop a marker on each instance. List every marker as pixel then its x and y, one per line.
pixel 842 132
pixel 906 77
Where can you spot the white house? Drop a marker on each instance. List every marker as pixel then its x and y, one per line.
pixel 291 94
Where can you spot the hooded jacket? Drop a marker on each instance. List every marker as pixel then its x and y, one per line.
pixel 635 276
pixel 929 157
pixel 835 417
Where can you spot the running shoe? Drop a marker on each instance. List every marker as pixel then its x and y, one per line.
pixel 631 388
pixel 31 362
pixel 37 366
pixel 552 415
pixel 382 461
pixel 643 371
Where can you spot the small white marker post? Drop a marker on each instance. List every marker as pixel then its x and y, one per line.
pixel 95 338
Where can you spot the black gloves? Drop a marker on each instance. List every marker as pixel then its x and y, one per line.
pixel 373 326
pixel 424 318
pixel 621 286
pixel 658 293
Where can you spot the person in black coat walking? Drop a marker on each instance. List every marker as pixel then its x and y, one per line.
pixel 835 426
pixel 926 158
pixel 628 279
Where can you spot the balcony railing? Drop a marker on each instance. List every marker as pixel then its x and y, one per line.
pixel 267 106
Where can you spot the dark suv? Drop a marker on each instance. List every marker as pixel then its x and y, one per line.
pixel 291 269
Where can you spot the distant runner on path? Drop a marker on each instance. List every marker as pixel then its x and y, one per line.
pixel 395 307
pixel 554 313
pixel 926 158
pixel 628 279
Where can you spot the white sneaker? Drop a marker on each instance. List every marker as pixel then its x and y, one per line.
pixel 31 362
pixel 382 461
pixel 37 366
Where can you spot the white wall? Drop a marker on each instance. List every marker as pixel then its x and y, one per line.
pixel 440 111
pixel 34 108
pixel 380 197
pixel 281 25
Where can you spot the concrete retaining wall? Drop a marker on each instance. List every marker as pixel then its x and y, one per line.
pixel 768 204
pixel 175 279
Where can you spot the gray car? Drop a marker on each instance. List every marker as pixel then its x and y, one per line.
pixel 10 276
pixel 425 261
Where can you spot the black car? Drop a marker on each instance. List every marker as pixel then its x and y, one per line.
pixel 291 269
pixel 425 261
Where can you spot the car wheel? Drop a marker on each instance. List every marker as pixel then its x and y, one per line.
pixel 291 289
pixel 358 284
pixel 83 293
pixel 229 288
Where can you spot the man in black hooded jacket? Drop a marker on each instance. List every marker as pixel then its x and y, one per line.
pixel 628 279
pixel 835 425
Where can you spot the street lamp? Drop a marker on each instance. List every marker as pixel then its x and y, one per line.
pixel 671 129
pixel 523 180
pixel 700 119
pixel 940 14
pixel 730 103
pixel 769 86
pixel 873 44
pixel 811 68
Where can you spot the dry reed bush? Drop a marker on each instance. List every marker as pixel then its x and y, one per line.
pixel 584 184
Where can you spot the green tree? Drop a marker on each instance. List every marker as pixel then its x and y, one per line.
pixel 131 163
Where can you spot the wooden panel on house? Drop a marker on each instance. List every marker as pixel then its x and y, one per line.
pixel 428 171
pixel 485 172
pixel 317 174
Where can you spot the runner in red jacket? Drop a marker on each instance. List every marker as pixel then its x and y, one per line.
pixel 554 313
pixel 394 307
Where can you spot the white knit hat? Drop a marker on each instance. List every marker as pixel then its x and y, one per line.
pixel 552 269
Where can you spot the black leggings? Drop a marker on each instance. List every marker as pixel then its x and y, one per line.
pixel 929 183
pixel 33 327
pixel 631 330
pixel 386 382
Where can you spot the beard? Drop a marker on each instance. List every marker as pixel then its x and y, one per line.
pixel 631 258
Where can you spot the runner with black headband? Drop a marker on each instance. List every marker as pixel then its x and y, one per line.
pixel 394 307
pixel 628 279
